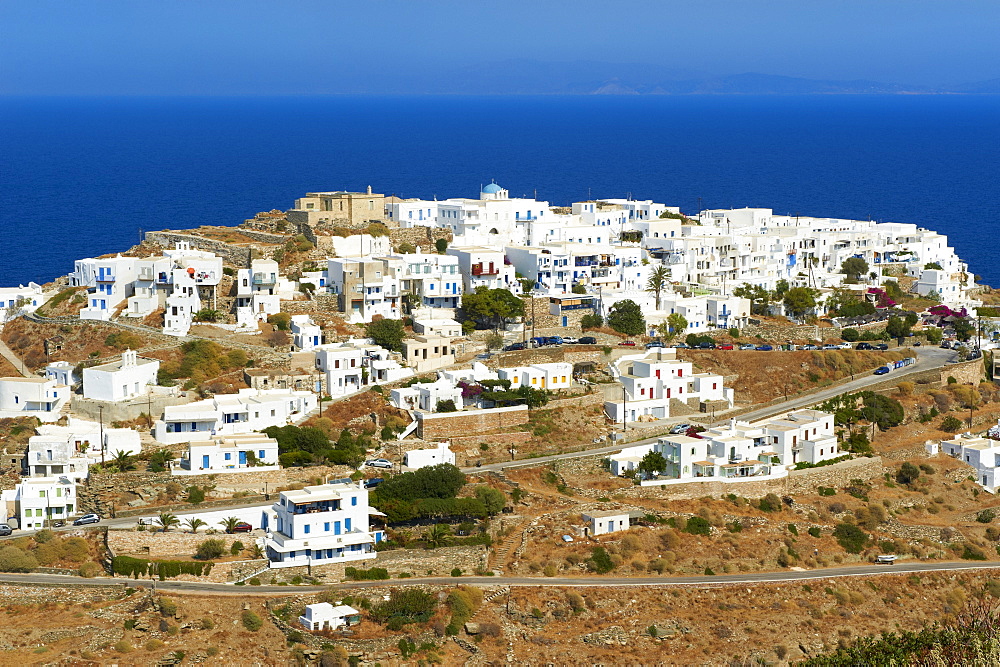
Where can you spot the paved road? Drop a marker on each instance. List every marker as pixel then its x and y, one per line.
pixel 927 359
pixel 783 576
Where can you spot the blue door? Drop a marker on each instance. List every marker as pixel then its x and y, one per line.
pixel 336 528
pixel 565 321
pixel 243 458
pixel 204 461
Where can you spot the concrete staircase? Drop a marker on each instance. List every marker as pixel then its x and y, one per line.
pixel 513 539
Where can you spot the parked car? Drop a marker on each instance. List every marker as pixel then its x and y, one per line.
pixel 845 346
pixel 945 345
pixel 725 346
pixel 886 559
pixel 379 463
pixel 764 348
pixel 242 527
pixel 87 518
pixel 746 346
pixel 681 346
pixel 515 346
pixel 553 340
pixel 538 341
pixel 810 346
pixel 831 347
pixel 567 538
pixel 569 340
pixel 373 482
pixel 882 346
pixel 916 343
pixel 882 370
pixel 706 346
pixel 588 340
pixel 5 529
pixel 679 428
pixel 654 343
pixel 627 343
pixel 864 346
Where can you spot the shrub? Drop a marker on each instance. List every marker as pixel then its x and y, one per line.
pixel 167 606
pixel 907 473
pixel 195 495
pixel 89 570
pixel 793 529
pixel 236 548
pixel 456 572
pixel 986 516
pixel 44 536
pixel 207 623
pixel 210 549
pixel 851 538
pixel 972 553
pixel 697 525
pixel 600 561
pixel 371 574
pixel 123 646
pixel 13 559
pixel 280 321
pixel 950 424
pixel 814 531
pixel 251 621
pixel 770 503
pixel 826 491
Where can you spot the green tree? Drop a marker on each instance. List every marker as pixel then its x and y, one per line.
pixel 854 267
pixel 160 460
pixel 437 535
pixel 230 523
pixel 579 288
pixel 850 537
pixel 167 521
pixel 907 473
pixel 406 248
pixel 123 461
pixel 493 500
pixel 850 335
pixel 591 321
pixel 798 301
pixel 210 549
pixel 492 308
pixel 932 265
pixel 387 333
pixel 934 335
pixel 194 524
pixel 757 295
pixel 626 317
pixel 897 327
pixel 676 324
pixel 964 328
pixel 657 282
pixel 441 245
pixel 652 463
pixel 600 561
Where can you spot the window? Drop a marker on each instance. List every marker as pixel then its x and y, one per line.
pixel 306 528
pixel 354 500
pixel 326 526
pixel 347 524
pixel 260 454
pixel 41 494
pixel 229 456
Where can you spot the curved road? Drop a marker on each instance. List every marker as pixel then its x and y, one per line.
pixel 927 358
pixel 784 576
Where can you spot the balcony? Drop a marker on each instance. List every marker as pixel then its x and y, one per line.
pixel 265 279
pixel 105 278
pixel 485 270
pixel 146 274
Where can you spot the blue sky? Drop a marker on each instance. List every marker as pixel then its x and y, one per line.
pixel 169 47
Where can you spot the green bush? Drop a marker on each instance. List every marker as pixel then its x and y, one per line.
pixel 164 569
pixel 950 424
pixel 372 574
pixel 456 572
pixel 600 561
pixel 13 559
pixel 251 621
pixel 814 531
pixel 986 516
pixel 236 548
pixel 168 607
pixel 210 549
pixel 850 537
pixel 696 525
pixel 404 606
pixel 770 503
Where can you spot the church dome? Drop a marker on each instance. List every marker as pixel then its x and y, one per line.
pixel 492 189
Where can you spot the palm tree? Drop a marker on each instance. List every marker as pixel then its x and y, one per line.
pixel 194 524
pixel 167 521
pixel 437 535
pixel 229 523
pixel 122 460
pixel 657 282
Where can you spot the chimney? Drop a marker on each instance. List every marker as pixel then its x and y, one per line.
pixel 369 189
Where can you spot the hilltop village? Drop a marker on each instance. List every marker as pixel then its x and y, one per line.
pixel 495 390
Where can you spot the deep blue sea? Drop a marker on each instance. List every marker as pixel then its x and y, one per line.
pixel 81 176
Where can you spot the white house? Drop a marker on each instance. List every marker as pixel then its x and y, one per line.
pixel 324 524
pixel 653 379
pixel 120 380
pixel 54 456
pixel 425 396
pixel 422 458
pixel 982 454
pixel 38 500
pixel 232 414
pixel 324 616
pixel 604 522
pixel 351 366
pixel 15 301
pixel 61 372
pixel 235 453
pixel 306 335
pixel 32 397
pixel 551 376
pixel 88 439
pixel 110 281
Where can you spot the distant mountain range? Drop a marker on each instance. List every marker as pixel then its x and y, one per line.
pixel 531 77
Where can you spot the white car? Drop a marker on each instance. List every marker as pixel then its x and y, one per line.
pixel 379 463
pixel 845 346
pixel 569 340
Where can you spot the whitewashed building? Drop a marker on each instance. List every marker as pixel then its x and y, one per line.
pixel 121 380
pixel 324 616
pixel 234 453
pixel 607 521
pixel 981 454
pixel 422 458
pixel 32 397
pixel 16 301
pixel 231 414
pixel 323 524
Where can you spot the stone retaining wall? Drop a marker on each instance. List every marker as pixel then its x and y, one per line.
pixel 445 425
pixel 125 410
pixel 172 544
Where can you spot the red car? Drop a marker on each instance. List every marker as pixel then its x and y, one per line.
pixel 242 527
pixel 627 343
pixel 727 346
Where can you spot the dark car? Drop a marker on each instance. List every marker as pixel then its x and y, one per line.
pixel 373 482
pixel 627 343
pixel 946 345
pixel 588 340
pixel 706 346
pixel 864 346
pixel 87 518
pixel 538 341
pixel 242 527
pixel 882 346
pixel 553 340
pixel 882 370
pixel 916 343
pixel 515 346
pixel 764 348
pixel 654 343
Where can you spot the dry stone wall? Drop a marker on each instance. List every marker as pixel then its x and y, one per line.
pixel 149 544
pixel 446 425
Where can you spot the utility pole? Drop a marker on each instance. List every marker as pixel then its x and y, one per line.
pixel 101 412
pixel 624 410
